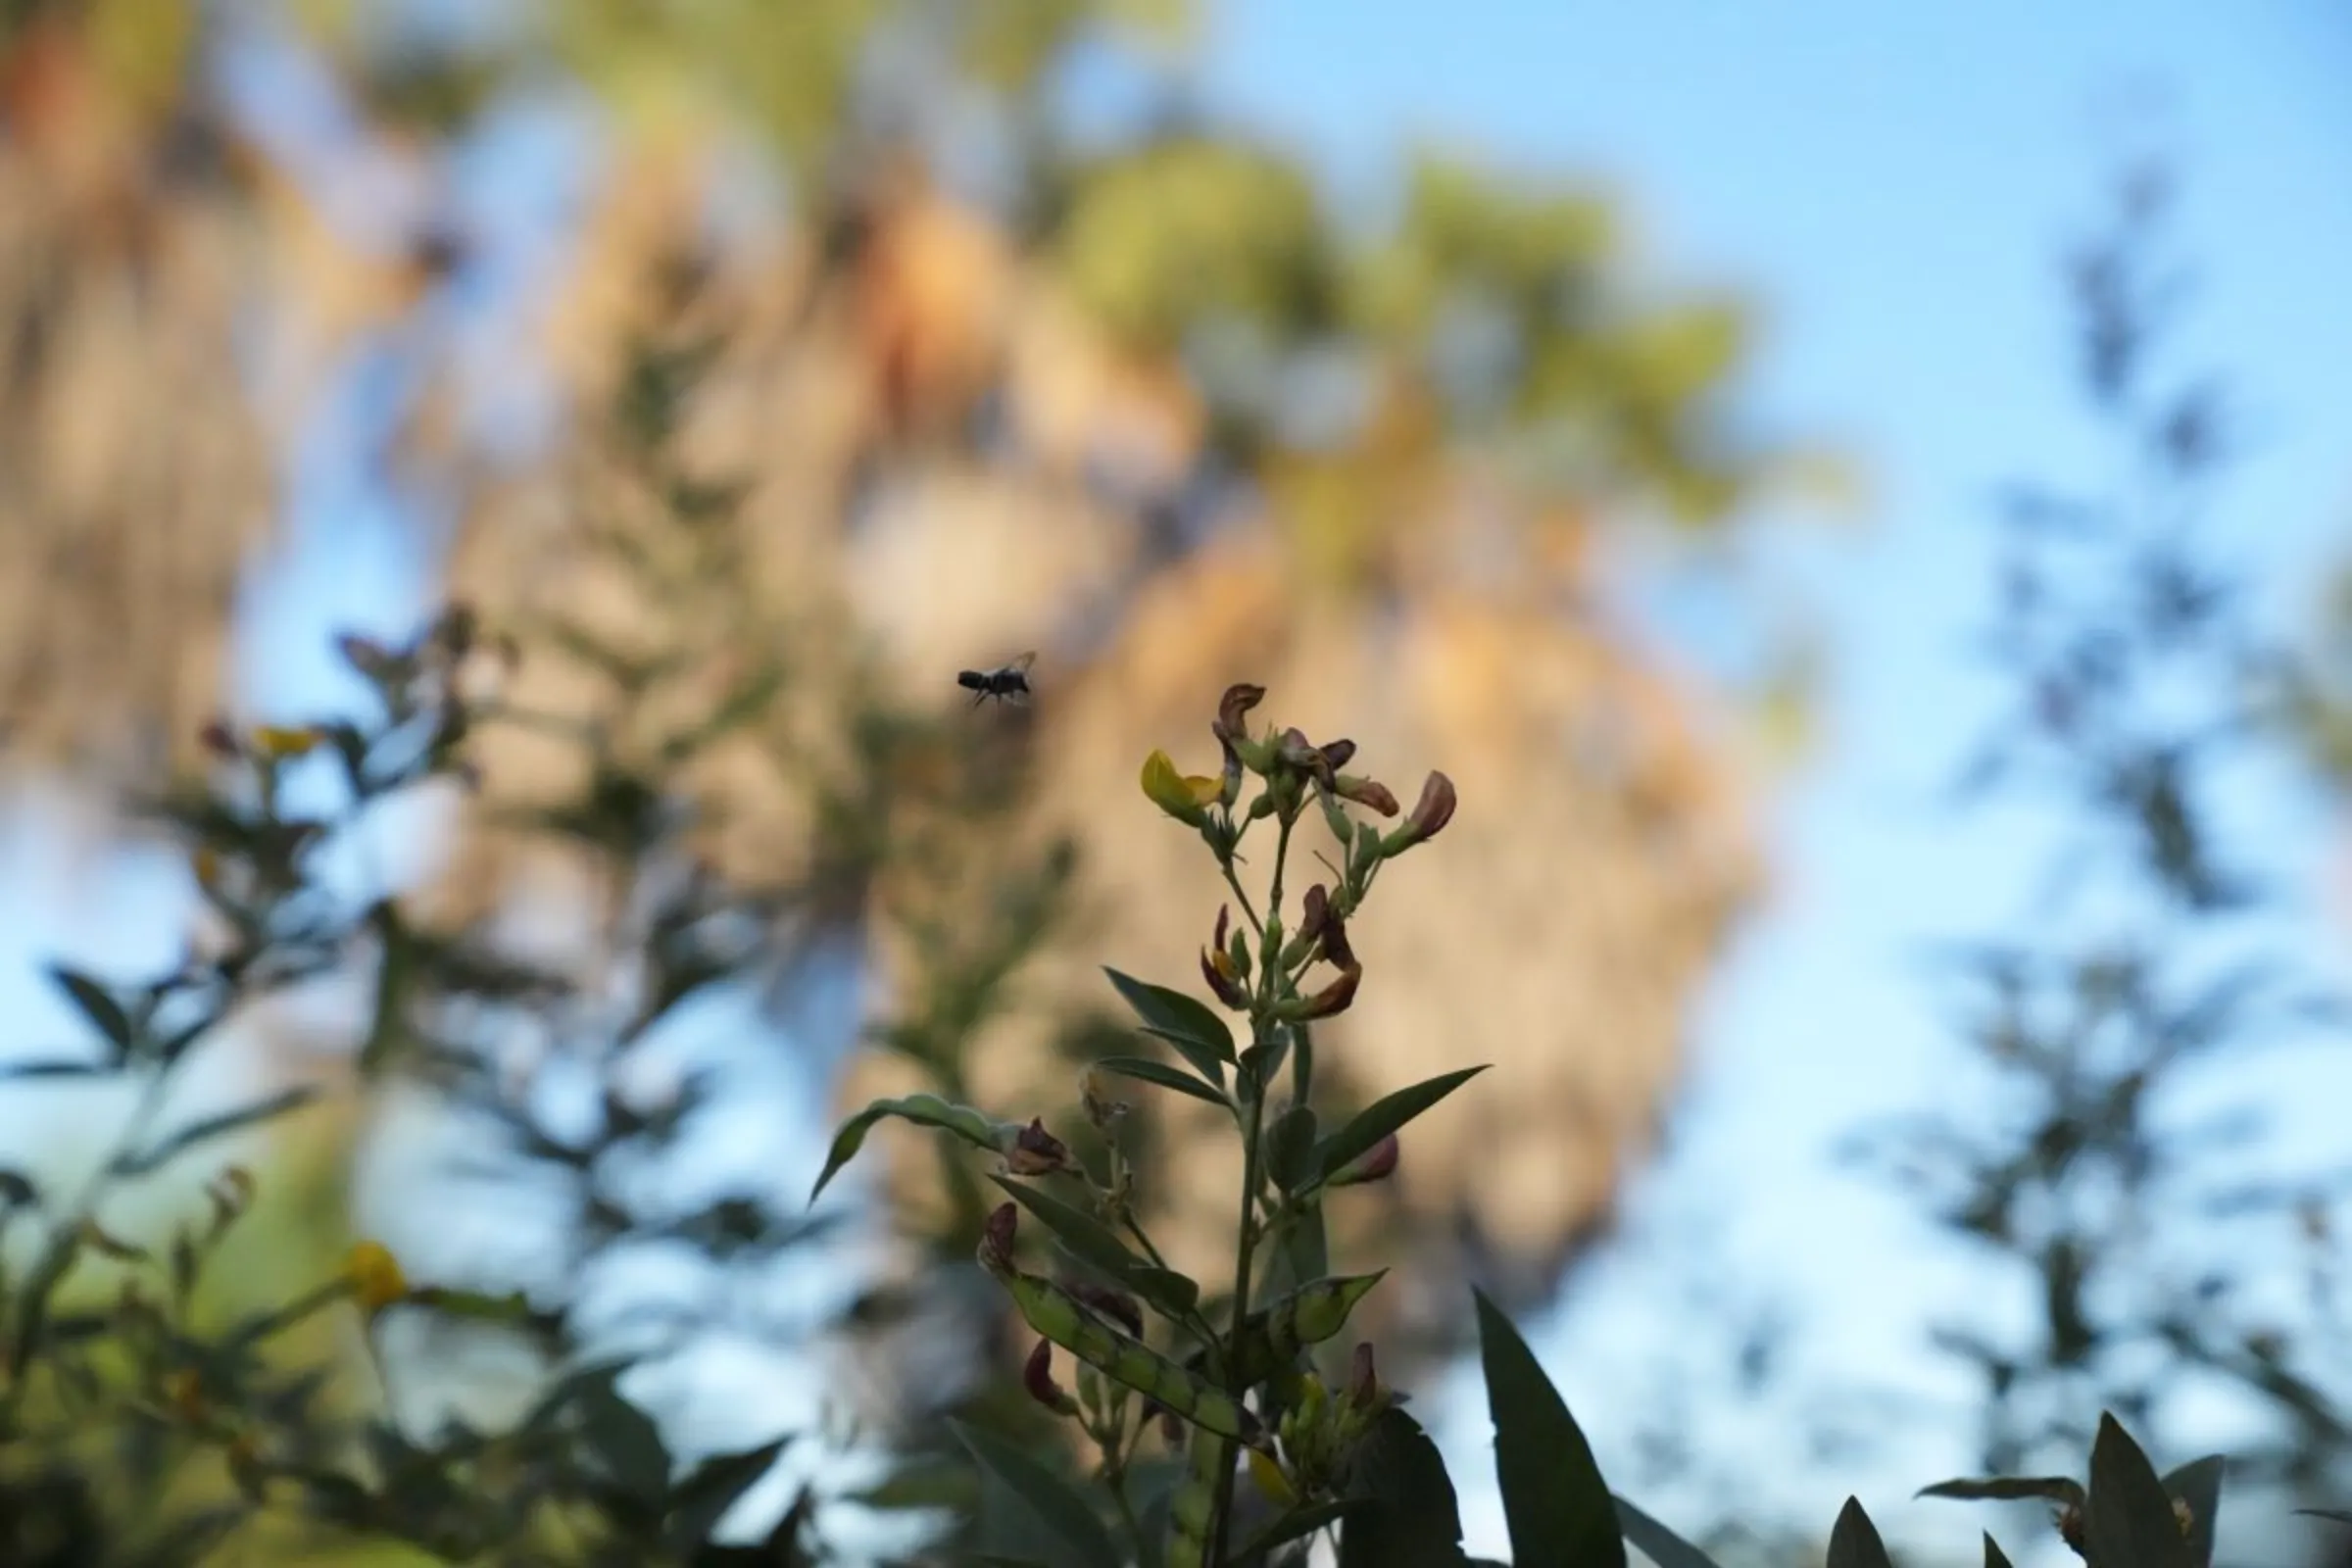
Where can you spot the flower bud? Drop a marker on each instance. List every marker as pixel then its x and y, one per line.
pixel 1365 792
pixel 1037 1376
pixel 377 1281
pixel 1333 1000
pixel 1363 1380
pixel 1233 710
pixel 1100 1107
pixel 1430 815
pixel 997 1234
pixel 220 740
pixel 1376 1164
pixel 1117 1305
pixel 1215 969
pixel 1035 1152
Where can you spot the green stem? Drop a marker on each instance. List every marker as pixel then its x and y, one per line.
pixel 1248 913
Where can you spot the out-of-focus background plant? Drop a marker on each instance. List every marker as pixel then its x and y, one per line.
pixel 743 371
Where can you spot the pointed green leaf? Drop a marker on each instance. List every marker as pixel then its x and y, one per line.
pixel 1291 1148
pixel 701 1499
pixel 1382 1117
pixel 623 1437
pixel 52 1069
pixel 2010 1488
pixel 2129 1519
pixel 1854 1542
pixel 2198 1484
pixel 1553 1497
pixel 1411 1518
pixel 1296 1525
pixel 1659 1544
pixel 924 1110
pixel 1994 1557
pixel 211 1127
pixel 97 1004
pixel 1085 1539
pixel 1188 1025
pixel 1095 1242
pixel 1146 1070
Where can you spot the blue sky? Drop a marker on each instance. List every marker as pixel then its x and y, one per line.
pixel 1894 183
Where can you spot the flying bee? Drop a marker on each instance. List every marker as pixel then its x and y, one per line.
pixel 1007 683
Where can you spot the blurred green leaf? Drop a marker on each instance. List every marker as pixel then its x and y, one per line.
pixel 623 1437
pixel 97 1004
pixel 698 1501
pixel 1553 1497
pixel 1290 1147
pixel 211 1127
pixel 1085 1540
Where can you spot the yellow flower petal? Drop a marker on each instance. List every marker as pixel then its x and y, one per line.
pixel 1172 792
pixel 278 742
pixel 1271 1481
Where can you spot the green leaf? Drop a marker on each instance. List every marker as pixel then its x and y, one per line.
pixel 2129 1522
pixel 2010 1488
pixel 1297 1523
pixel 53 1069
pixel 2342 1516
pixel 97 1004
pixel 512 1308
pixel 1411 1518
pixel 701 1499
pixel 2198 1484
pixel 623 1437
pixel 1553 1497
pixel 1854 1543
pixel 1060 1508
pixel 1166 1077
pixel 924 1110
pixel 1290 1147
pixel 1657 1542
pixel 1095 1242
pixel 211 1127
pixel 1383 1117
pixel 1994 1557
pixel 1197 1033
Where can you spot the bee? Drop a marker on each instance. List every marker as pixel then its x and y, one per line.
pixel 1007 683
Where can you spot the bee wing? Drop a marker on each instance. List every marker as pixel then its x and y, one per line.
pixel 1020 665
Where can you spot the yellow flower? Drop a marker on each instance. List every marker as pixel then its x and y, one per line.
pixel 1185 798
pixel 1271 1481
pixel 377 1281
pixel 184 1390
pixel 279 742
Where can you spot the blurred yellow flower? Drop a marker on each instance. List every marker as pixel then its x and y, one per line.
pixel 1270 1480
pixel 278 742
pixel 377 1281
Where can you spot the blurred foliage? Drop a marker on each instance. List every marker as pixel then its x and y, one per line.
pixel 2168 1260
